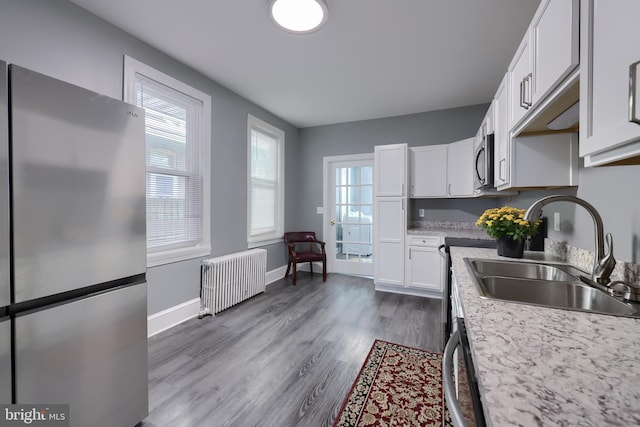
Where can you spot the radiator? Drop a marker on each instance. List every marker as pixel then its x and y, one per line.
pixel 229 279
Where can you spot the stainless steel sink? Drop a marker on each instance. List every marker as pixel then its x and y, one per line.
pixel 550 285
pixel 525 270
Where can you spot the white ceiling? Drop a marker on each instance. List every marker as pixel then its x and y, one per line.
pixel 374 58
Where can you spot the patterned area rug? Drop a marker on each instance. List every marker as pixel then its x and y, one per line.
pixel 397 386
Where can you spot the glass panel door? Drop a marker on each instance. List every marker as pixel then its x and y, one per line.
pixel 352 222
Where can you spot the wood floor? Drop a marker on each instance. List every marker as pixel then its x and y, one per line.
pixel 284 358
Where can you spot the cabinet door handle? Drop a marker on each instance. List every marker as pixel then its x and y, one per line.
pixel 481 180
pixel 529 99
pixel 501 169
pixel 633 72
pixel 409 253
pixel 522 104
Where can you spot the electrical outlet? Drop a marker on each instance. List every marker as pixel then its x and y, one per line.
pixel 421 213
pixel 556 221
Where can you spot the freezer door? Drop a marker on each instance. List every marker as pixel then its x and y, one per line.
pixel 78 165
pixel 4 190
pixel 90 354
pixel 5 360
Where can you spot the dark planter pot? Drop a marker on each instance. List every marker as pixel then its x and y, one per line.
pixel 510 248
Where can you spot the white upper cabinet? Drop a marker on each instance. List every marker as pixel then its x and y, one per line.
pixel 488 126
pixel 390 170
pixel 444 170
pixel 428 171
pixel 555 40
pixel 501 135
pixel 547 56
pixel 520 82
pixel 541 161
pixel 460 168
pixel 609 89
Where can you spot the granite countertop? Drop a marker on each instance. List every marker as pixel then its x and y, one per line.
pixel 539 366
pixel 469 233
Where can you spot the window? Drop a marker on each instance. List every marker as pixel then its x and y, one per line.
pixel 178 135
pixel 265 184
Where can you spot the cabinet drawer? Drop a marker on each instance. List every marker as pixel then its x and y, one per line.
pixel 425 240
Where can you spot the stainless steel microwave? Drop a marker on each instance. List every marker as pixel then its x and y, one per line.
pixel 483 164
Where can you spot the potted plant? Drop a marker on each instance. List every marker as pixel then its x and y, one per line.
pixel 507 226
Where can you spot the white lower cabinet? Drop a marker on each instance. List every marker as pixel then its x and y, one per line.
pixel 424 264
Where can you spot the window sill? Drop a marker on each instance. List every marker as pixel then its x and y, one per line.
pixel 155 259
pixel 258 243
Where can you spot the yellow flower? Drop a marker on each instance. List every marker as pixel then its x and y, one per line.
pixel 507 221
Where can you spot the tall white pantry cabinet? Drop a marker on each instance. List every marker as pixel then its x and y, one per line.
pixel 390 214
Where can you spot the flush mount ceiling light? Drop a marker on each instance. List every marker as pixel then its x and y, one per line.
pixel 298 16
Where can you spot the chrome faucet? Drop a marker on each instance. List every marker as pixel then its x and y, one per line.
pixel 603 264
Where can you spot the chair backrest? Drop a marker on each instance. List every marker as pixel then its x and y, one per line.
pixel 299 236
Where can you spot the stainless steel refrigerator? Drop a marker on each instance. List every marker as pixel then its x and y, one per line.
pixel 73 256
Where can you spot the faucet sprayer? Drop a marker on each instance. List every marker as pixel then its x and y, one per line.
pixel 603 264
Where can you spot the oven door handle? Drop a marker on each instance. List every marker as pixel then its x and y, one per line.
pixel 457 418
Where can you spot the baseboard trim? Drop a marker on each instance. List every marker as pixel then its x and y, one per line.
pixel 173 316
pixel 381 287
pixel 317 267
pixel 276 274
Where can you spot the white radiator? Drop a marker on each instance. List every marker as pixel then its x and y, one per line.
pixel 229 279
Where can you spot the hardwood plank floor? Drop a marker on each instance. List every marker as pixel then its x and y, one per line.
pixel 287 357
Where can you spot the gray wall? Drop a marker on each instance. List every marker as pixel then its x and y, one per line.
pixel 437 127
pixel 465 210
pixel 60 39
pixel 57 38
pixel 610 189
pixel 613 191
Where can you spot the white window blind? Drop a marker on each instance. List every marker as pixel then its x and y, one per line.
pixel 174 184
pixel 266 187
pixel 176 125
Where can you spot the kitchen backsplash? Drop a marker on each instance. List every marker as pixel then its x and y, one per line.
pixel 583 259
pixel 443 224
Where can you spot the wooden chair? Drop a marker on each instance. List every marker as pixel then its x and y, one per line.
pixel 299 251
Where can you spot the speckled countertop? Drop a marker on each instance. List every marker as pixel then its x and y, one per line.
pixel 450 232
pixel 539 366
pixel 448 229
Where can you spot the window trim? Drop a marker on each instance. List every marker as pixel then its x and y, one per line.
pixel 203 248
pixel 276 237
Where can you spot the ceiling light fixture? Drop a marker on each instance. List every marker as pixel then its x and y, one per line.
pixel 298 16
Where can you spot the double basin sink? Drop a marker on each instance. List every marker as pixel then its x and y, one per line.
pixel 544 284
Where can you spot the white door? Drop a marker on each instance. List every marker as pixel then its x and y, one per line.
pixel 349 215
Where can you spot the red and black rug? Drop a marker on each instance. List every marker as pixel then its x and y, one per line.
pixel 397 386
